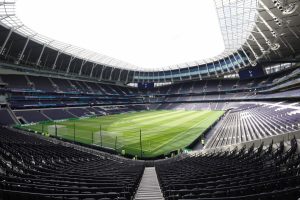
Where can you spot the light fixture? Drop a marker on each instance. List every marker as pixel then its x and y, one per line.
pixel 286 10
pixel 289 9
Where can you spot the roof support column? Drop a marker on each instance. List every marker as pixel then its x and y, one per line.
pixel 216 72
pixel 81 66
pixel 45 64
pixel 127 76
pixel 165 78
pixel 28 56
pixel 199 73
pixel 259 45
pixel 147 77
pixel 241 58
pixel 234 67
pixel 250 61
pixel 91 73
pixel 208 74
pixel 255 55
pixel 23 50
pixel 5 41
pixel 111 72
pixel 68 68
pixel 226 64
pixel 153 76
pixel 139 77
pixel 8 50
pixel 119 78
pixel 102 69
pixel 40 56
pixel 180 76
pixel 133 77
pixel 190 72
pixel 58 54
pixel 239 65
pixel 171 75
pixel 221 66
pixel 56 58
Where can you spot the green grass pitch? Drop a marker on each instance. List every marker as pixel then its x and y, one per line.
pixel 162 131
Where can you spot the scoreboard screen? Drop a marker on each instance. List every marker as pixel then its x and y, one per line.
pixel 253 72
pixel 145 85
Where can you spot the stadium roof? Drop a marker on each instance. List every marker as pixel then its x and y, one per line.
pixel 233 32
pixel 148 33
pixel 257 29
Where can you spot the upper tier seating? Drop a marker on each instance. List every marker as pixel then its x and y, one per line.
pixel 264 173
pixel 42 83
pixel 61 85
pixel 34 169
pixel 81 86
pixel 95 87
pixel 16 81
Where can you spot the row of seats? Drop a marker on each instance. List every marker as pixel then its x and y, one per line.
pixel 264 173
pixel 33 168
pixel 61 85
pixel 49 84
pixel 204 86
pixel 33 116
pixel 194 106
pixel 5 117
pixel 253 122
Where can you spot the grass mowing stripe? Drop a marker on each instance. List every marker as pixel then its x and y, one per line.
pixel 181 137
pixel 177 123
pixel 151 131
pixel 162 131
pixel 162 121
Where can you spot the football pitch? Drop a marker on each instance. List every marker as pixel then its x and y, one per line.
pixel 160 132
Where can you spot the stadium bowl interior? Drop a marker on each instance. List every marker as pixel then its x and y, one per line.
pixel 74 127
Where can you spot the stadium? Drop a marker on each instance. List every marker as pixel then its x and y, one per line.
pixel 76 124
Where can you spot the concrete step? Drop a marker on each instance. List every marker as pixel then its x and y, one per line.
pixel 149 188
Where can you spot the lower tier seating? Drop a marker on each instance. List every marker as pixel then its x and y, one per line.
pixel 5 117
pixel 264 173
pixel 33 168
pixel 32 116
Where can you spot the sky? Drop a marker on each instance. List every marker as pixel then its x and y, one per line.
pixel 147 33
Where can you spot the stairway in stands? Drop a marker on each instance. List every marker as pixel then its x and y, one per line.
pixel 149 188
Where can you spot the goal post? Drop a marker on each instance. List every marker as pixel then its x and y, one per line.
pixel 57 130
